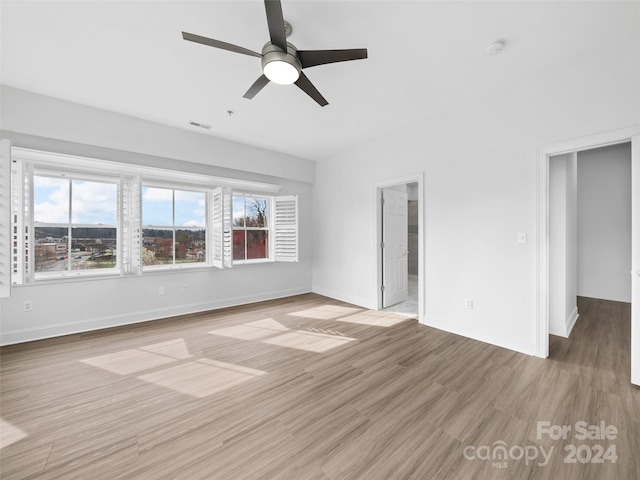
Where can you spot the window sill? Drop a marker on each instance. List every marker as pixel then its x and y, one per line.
pixel 257 261
pixel 71 277
pixel 175 268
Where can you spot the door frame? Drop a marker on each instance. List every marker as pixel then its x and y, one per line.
pixel 377 191
pixel 542 239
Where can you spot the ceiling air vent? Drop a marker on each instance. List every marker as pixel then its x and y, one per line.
pixel 200 125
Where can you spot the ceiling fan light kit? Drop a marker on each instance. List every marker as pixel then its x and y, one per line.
pixel 280 67
pixel 281 62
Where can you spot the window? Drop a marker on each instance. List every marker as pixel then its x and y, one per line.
pixel 75 224
pixel 74 216
pixel 250 227
pixel 174 229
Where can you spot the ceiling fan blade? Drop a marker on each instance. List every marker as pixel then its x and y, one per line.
pixel 256 87
pixel 218 44
pixel 306 86
pixel 275 21
pixel 311 58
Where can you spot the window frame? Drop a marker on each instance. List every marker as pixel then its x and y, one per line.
pixel 269 228
pixel 70 176
pixel 129 178
pixel 150 183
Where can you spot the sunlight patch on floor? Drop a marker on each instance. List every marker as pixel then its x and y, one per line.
pixel 128 361
pixel 310 341
pixel 376 319
pixel 198 378
pixel 9 434
pixel 173 348
pixel 272 332
pixel 201 378
pixel 326 312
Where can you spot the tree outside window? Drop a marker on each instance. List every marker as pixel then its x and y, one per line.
pixel 250 227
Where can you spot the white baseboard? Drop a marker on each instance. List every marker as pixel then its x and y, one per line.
pixel 571 321
pixel 516 344
pixel 564 330
pixel 98 323
pixel 360 302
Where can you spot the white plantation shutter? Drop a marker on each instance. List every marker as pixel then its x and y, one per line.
pixel 5 217
pixel 285 228
pixel 130 205
pixel 220 220
pixel 21 261
pixel 227 232
pixel 216 227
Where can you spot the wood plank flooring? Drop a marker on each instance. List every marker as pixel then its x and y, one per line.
pixel 312 388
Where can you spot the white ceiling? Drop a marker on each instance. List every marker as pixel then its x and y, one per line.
pixel 424 57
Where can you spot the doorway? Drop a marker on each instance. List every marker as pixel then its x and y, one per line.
pixel 399 245
pixel 545 253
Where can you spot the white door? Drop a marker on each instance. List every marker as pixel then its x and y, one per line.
pixel 395 258
pixel 635 260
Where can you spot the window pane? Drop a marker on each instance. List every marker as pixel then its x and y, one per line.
pixel 257 241
pixel 93 248
pixel 50 200
pixel 51 249
pixel 238 211
pixel 94 203
pixel 190 246
pixel 257 212
pixel 157 246
pixel 239 240
pixel 189 209
pixel 157 206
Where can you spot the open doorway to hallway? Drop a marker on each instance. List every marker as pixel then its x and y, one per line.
pixel 590 257
pixel 567 298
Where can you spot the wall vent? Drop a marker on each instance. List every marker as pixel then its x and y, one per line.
pixel 200 125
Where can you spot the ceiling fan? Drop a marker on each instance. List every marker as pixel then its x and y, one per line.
pixel 282 62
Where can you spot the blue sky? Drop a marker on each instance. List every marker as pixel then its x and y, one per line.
pixel 95 203
pixel 157 207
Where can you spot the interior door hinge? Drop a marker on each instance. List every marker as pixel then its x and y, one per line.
pixel 382 201
pixel 382 288
pixel 381 244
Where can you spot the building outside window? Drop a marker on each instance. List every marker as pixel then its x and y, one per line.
pixel 75 224
pixel 74 216
pixel 174 230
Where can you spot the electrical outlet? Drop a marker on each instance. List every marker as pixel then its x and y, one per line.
pixel 185 287
pixel 469 303
pixel 27 306
pixel 161 291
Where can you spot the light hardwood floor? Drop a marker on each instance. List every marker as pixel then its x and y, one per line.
pixel 311 388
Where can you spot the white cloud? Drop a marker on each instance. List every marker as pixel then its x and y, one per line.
pixel 49 182
pixel 194 197
pixel 94 202
pixel 193 223
pixel 156 194
pixel 51 212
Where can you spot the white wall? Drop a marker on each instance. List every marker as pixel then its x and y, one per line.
pixel 563 248
pixel 604 223
pixel 51 118
pixel 479 161
pixel 36 121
